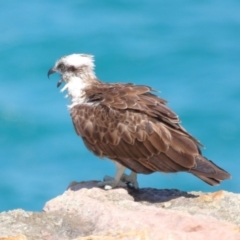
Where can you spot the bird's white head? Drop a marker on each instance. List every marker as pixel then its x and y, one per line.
pixel 74 65
pixel 77 71
pixel 77 61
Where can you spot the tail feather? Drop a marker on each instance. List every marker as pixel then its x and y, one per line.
pixel 208 180
pixel 208 171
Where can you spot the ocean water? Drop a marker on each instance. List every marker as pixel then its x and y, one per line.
pixel 188 50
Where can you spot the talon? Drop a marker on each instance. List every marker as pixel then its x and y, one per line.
pixel 107 178
pixel 110 183
pixel 130 180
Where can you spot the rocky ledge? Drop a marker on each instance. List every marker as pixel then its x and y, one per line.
pixel 85 211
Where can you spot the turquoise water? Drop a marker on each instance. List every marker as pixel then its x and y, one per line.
pixel 189 51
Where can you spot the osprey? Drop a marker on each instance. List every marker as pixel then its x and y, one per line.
pixel 130 125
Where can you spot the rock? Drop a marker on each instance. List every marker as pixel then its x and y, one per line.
pixel 85 211
pixel 18 237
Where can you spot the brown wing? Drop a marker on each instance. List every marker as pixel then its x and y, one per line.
pixel 129 124
pixel 138 99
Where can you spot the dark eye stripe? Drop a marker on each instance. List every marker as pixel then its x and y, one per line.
pixel 71 68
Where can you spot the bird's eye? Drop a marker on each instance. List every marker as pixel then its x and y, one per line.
pixel 61 66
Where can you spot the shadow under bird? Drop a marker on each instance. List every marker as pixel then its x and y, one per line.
pixel 130 125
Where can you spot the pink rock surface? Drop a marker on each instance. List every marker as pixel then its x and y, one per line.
pixel 114 212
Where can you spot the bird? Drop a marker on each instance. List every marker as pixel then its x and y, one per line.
pixel 130 125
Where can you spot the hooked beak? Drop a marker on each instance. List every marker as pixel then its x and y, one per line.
pixel 51 71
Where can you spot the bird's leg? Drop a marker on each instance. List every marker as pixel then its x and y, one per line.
pixel 109 182
pixel 131 178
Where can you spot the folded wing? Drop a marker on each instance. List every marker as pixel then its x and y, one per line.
pixel 131 125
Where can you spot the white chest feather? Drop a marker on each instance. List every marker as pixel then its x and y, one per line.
pixel 75 87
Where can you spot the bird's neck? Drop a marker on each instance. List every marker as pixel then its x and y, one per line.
pixel 77 85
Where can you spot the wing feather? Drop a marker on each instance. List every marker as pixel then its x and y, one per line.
pixel 131 125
